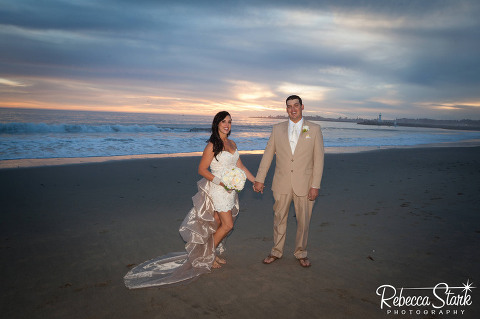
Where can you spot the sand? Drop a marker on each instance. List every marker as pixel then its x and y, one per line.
pixel 403 217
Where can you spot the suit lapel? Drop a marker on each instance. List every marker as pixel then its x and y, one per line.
pixel 284 134
pixel 282 141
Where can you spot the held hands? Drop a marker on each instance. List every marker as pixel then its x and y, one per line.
pixel 258 187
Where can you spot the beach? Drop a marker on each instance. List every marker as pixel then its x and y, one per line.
pixel 399 217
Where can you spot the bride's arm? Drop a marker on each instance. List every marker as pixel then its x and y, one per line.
pixel 207 158
pixel 250 176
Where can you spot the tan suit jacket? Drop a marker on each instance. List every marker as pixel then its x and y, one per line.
pixel 301 170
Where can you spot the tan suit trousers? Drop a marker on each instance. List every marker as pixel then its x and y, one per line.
pixel 303 212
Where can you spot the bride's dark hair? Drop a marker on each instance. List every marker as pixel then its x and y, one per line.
pixel 215 137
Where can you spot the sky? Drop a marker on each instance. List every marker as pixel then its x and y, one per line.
pixel 351 58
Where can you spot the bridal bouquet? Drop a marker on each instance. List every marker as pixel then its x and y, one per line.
pixel 234 178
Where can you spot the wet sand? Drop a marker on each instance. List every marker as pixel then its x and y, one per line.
pixel 403 217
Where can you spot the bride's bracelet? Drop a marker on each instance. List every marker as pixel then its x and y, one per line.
pixel 216 180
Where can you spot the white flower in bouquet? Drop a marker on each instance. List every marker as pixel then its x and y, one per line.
pixel 234 178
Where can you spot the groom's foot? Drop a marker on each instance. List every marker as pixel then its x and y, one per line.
pixel 304 262
pixel 220 260
pixel 270 259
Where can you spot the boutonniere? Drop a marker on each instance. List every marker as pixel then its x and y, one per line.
pixel 305 129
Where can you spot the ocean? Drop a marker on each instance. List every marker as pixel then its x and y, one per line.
pixel 33 134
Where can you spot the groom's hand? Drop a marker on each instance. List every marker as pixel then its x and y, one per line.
pixel 313 193
pixel 258 187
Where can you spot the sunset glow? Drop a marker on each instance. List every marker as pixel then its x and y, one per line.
pixel 354 59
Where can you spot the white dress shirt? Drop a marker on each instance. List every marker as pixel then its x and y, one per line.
pixel 294 130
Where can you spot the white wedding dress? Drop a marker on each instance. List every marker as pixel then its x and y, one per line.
pixel 197 231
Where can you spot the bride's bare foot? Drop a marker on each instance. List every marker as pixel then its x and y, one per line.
pixel 220 260
pixel 216 265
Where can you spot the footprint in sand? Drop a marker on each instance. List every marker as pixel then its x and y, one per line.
pixel 102 284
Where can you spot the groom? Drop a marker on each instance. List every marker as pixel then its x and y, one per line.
pixel 298 146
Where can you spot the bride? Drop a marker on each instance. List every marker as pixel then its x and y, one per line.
pixel 208 222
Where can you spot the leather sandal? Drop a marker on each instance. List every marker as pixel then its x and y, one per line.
pixel 274 258
pixel 304 264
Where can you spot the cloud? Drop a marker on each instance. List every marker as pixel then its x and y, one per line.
pixel 12 83
pixel 353 57
pixel 307 92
